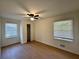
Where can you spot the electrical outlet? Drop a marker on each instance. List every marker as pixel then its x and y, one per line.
pixel 62 45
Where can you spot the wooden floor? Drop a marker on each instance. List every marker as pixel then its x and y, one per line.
pixel 35 50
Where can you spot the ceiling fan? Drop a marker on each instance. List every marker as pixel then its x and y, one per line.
pixel 28 13
pixel 33 16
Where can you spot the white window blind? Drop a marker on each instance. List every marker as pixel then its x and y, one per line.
pixel 10 30
pixel 63 30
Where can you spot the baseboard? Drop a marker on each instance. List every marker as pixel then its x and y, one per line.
pixel 10 44
pixel 55 47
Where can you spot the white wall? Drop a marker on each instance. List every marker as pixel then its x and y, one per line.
pixel 8 41
pixel 23 28
pixel 0 37
pixel 0 32
pixel 44 32
pixel 22 31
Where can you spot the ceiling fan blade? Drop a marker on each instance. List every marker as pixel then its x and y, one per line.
pixel 40 18
pixel 32 15
pixel 36 16
pixel 22 5
pixel 39 12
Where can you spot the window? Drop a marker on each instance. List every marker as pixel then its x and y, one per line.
pixel 10 30
pixel 63 30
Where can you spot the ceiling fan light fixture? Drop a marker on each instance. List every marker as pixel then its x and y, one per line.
pixel 27 15
pixel 32 19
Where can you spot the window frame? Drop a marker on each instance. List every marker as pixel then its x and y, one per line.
pixel 16 31
pixel 65 39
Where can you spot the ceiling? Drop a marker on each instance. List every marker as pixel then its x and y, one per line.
pixel 45 8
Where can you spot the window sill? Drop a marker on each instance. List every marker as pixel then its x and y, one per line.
pixel 10 37
pixel 68 40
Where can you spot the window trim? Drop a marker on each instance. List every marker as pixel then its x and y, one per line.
pixel 11 36
pixel 65 39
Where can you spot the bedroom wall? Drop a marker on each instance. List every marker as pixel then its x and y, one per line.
pixel 44 32
pixel 0 36
pixel 8 41
pixel 23 30
pixel 0 31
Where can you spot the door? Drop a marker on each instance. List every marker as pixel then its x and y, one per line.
pixel 28 32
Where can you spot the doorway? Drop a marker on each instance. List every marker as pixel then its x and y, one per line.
pixel 28 33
